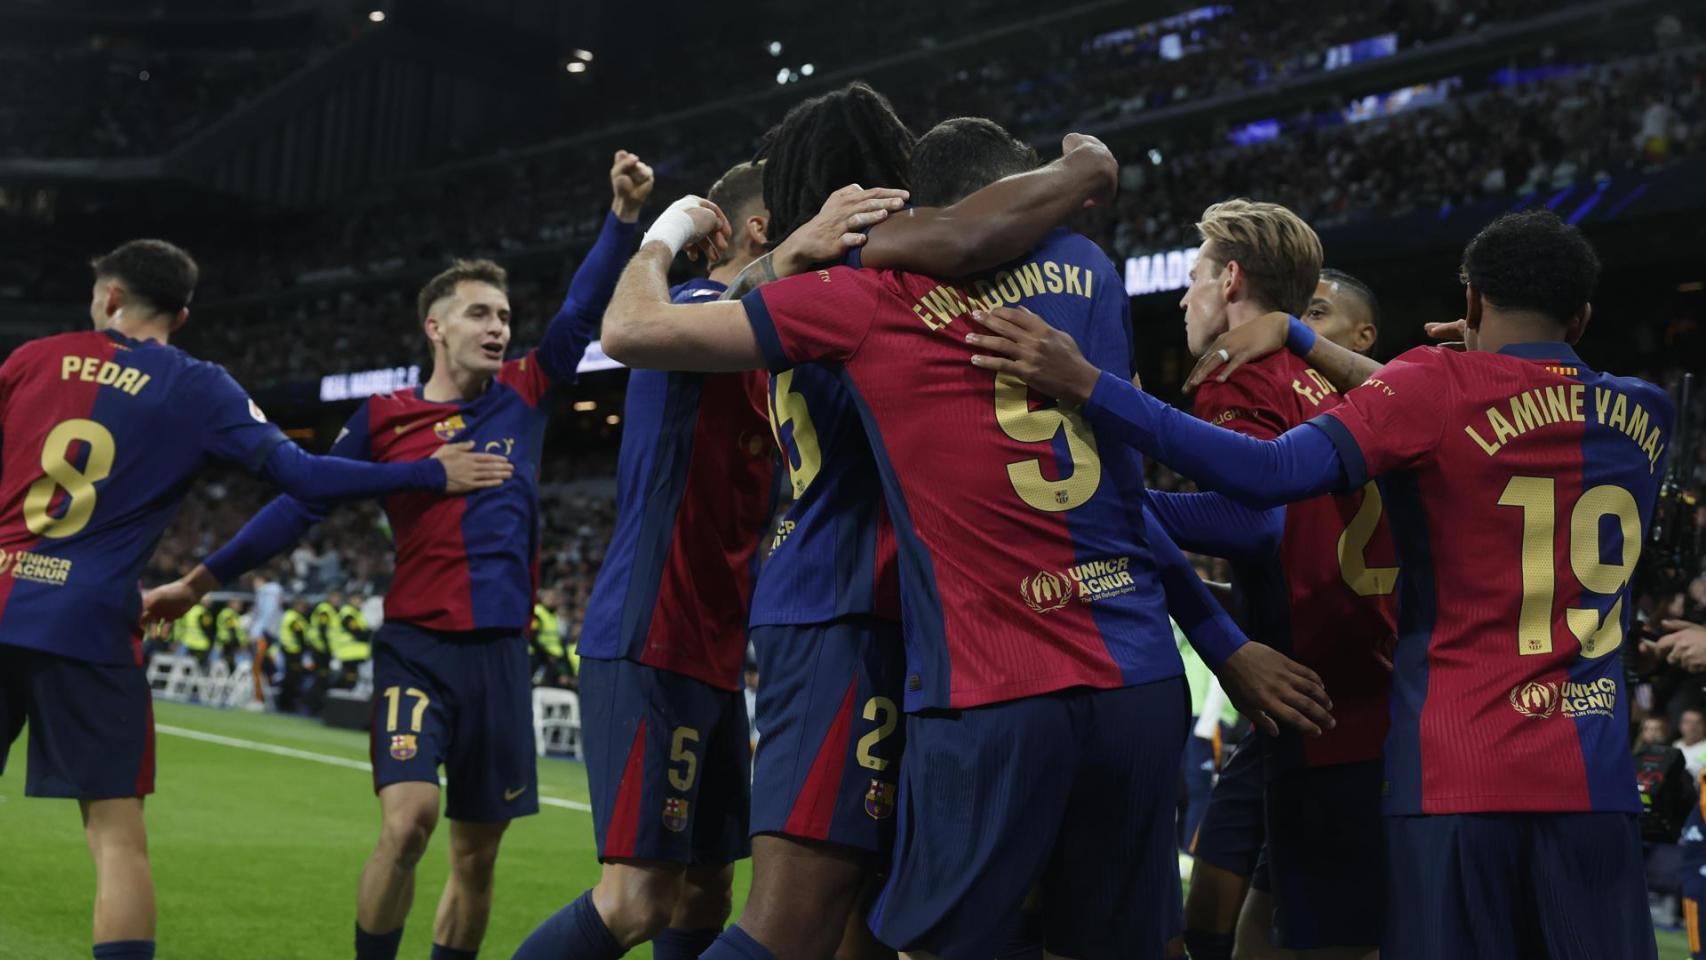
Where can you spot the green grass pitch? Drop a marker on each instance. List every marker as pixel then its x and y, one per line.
pixel 256 854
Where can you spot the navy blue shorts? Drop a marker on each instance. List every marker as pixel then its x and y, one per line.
pixel 1234 827
pixel 1073 793
pixel 1327 856
pixel 91 725
pixel 1560 886
pixel 829 731
pixel 668 763
pixel 461 700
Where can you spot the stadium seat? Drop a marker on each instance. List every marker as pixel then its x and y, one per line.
pixel 209 685
pixel 181 683
pixel 239 689
pixel 161 669
pixel 556 721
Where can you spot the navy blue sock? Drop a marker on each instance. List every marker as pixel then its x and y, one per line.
pixel 442 952
pixel 674 944
pixel 575 932
pixel 125 950
pixel 1201 945
pixel 736 944
pixel 377 946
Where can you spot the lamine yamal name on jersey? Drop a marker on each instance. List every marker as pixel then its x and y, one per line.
pixel 1567 403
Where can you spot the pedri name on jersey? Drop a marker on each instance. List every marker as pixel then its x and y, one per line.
pixel 1567 403
pixel 104 372
pixel 941 304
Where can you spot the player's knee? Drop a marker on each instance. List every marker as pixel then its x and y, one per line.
pixel 474 867
pixel 637 904
pixel 406 833
pixel 114 827
pixel 634 920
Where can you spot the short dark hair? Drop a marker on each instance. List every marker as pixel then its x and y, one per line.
pixel 963 155
pixel 850 135
pixel 158 273
pixel 736 193
pixel 443 285
pixel 1532 261
pixel 1364 292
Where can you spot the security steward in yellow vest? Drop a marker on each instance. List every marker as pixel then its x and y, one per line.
pixel 329 625
pixel 319 654
pixel 228 630
pixel 293 645
pixel 349 642
pixel 197 632
pixel 550 666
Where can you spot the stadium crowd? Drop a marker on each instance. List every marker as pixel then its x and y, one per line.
pixel 1584 125
pixel 132 99
pixel 125 102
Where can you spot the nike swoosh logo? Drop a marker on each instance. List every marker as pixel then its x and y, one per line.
pixel 510 795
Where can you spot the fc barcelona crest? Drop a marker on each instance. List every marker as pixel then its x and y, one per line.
pixel 675 814
pixel 879 800
pixel 447 429
pixel 402 746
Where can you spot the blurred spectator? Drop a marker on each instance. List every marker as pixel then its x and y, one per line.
pixel 1546 135
pixel 1655 732
pixel 1692 743
pixel 88 102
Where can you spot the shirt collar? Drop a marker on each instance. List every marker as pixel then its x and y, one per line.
pixel 1541 350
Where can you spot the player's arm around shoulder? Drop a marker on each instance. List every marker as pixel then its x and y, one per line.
pixel 1344 368
pixel 1000 222
pixel 835 235
pixel 643 327
pixel 1245 402
pixel 1397 418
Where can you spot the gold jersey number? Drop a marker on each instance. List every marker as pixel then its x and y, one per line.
pixel 1364 580
pixel 59 473
pixel 788 408
pixel 1537 498
pixel 1018 420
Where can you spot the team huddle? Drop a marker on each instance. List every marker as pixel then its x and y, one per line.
pixel 973 706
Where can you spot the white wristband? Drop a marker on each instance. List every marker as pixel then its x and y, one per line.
pixel 673 226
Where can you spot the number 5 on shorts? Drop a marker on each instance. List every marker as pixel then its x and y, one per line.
pixel 680 753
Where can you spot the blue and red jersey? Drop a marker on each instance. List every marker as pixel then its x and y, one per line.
pixel 463 563
pixel 1518 485
pixel 834 551
pixel 469 562
pixel 1024 563
pixel 103 436
pixel 696 489
pixel 1327 598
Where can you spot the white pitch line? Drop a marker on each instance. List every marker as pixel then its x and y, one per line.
pixel 324 758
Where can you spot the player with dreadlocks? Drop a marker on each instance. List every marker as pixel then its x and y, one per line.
pixel 825 611
pixel 670 767
pixel 850 135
